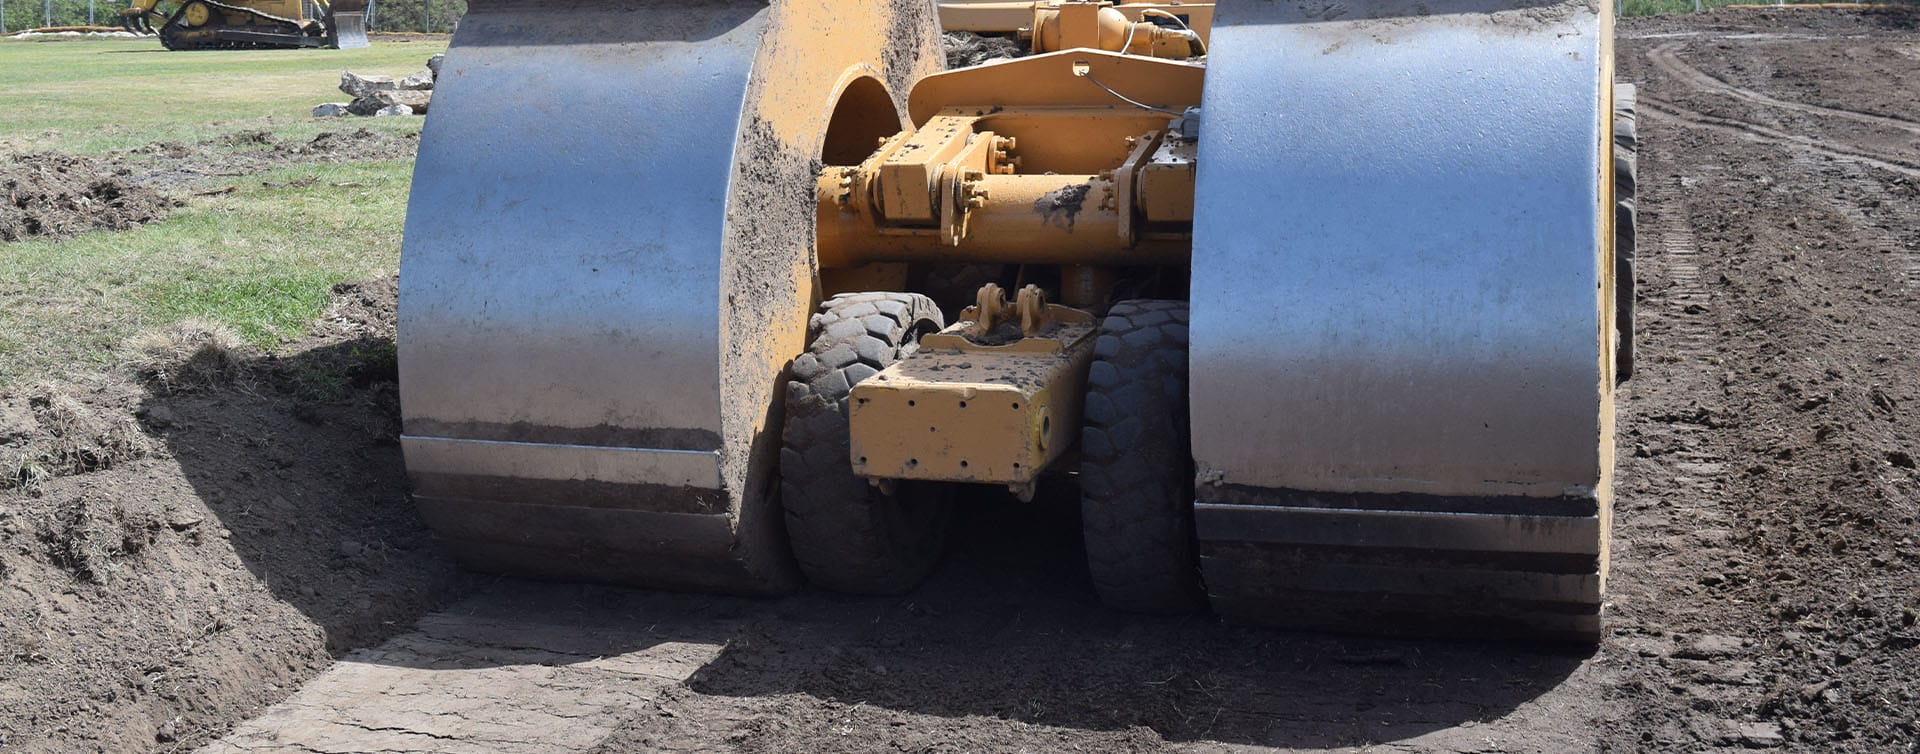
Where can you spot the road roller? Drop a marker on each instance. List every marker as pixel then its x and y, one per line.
pixel 1313 305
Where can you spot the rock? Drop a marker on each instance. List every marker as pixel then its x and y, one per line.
pixel 433 64
pixel 365 106
pixel 416 99
pixel 182 518
pixel 1711 646
pixel 361 87
pixel 331 110
pixel 1761 735
pixel 392 110
pixel 351 548
pixel 418 81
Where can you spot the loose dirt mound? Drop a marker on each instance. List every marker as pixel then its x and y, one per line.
pixel 182 553
pixel 56 196
pixel 174 166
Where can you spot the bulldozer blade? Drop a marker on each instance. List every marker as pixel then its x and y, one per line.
pixel 347 23
pixel 1401 397
pixel 597 305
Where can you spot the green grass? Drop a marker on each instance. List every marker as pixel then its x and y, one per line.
pixel 257 252
pixel 260 259
pixel 97 96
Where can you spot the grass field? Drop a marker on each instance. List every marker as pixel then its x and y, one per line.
pixel 256 251
pixel 94 96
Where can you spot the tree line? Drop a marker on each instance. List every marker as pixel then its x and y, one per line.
pixel 382 15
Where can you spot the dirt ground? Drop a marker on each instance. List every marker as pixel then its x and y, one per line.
pixel 248 546
pixel 55 196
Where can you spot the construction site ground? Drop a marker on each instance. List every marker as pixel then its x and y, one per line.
pixel 225 558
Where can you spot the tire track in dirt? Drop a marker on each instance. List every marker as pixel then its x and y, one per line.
pixel 1906 259
pixel 1756 132
pixel 1873 233
pixel 1665 58
pixel 1688 341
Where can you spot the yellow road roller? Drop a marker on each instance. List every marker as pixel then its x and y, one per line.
pixel 1322 323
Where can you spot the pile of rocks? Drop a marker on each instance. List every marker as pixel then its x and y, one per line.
pixel 380 96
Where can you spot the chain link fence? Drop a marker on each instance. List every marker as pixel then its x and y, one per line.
pixel 433 16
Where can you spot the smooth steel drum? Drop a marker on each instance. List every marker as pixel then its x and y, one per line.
pixel 608 264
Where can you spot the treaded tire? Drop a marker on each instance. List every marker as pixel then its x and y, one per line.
pixel 1626 168
pixel 1136 467
pixel 847 535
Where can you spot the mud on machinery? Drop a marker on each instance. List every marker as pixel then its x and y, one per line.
pixel 1324 323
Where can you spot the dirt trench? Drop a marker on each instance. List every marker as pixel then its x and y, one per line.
pixel 1765 583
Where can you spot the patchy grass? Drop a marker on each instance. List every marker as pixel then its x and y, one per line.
pixel 96 96
pixel 194 353
pixel 259 259
pixel 253 253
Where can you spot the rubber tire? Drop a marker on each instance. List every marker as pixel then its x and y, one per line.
pixel 847 535
pixel 1136 466
pixel 1626 169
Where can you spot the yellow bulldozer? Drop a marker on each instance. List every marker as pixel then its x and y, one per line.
pixel 1322 325
pixel 250 24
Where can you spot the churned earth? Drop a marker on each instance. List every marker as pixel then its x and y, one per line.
pixel 230 562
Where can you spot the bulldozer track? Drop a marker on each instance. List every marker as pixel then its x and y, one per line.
pixel 1665 58
pixel 1674 257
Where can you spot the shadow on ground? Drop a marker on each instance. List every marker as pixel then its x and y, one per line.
pixel 302 466
pixel 299 459
pixel 1009 629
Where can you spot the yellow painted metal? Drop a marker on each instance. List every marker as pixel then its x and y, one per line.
pixel 1051 81
pixel 1016 17
pixel 292 9
pixel 909 173
pixel 1024 219
pixel 1166 180
pixel 1099 25
pixel 1029 162
pixel 1076 25
pixel 980 402
pixel 812 46
pixel 197 14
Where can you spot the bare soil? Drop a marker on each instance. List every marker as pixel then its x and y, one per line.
pixel 55 196
pixel 1765 585
pixel 175 559
pixel 178 166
